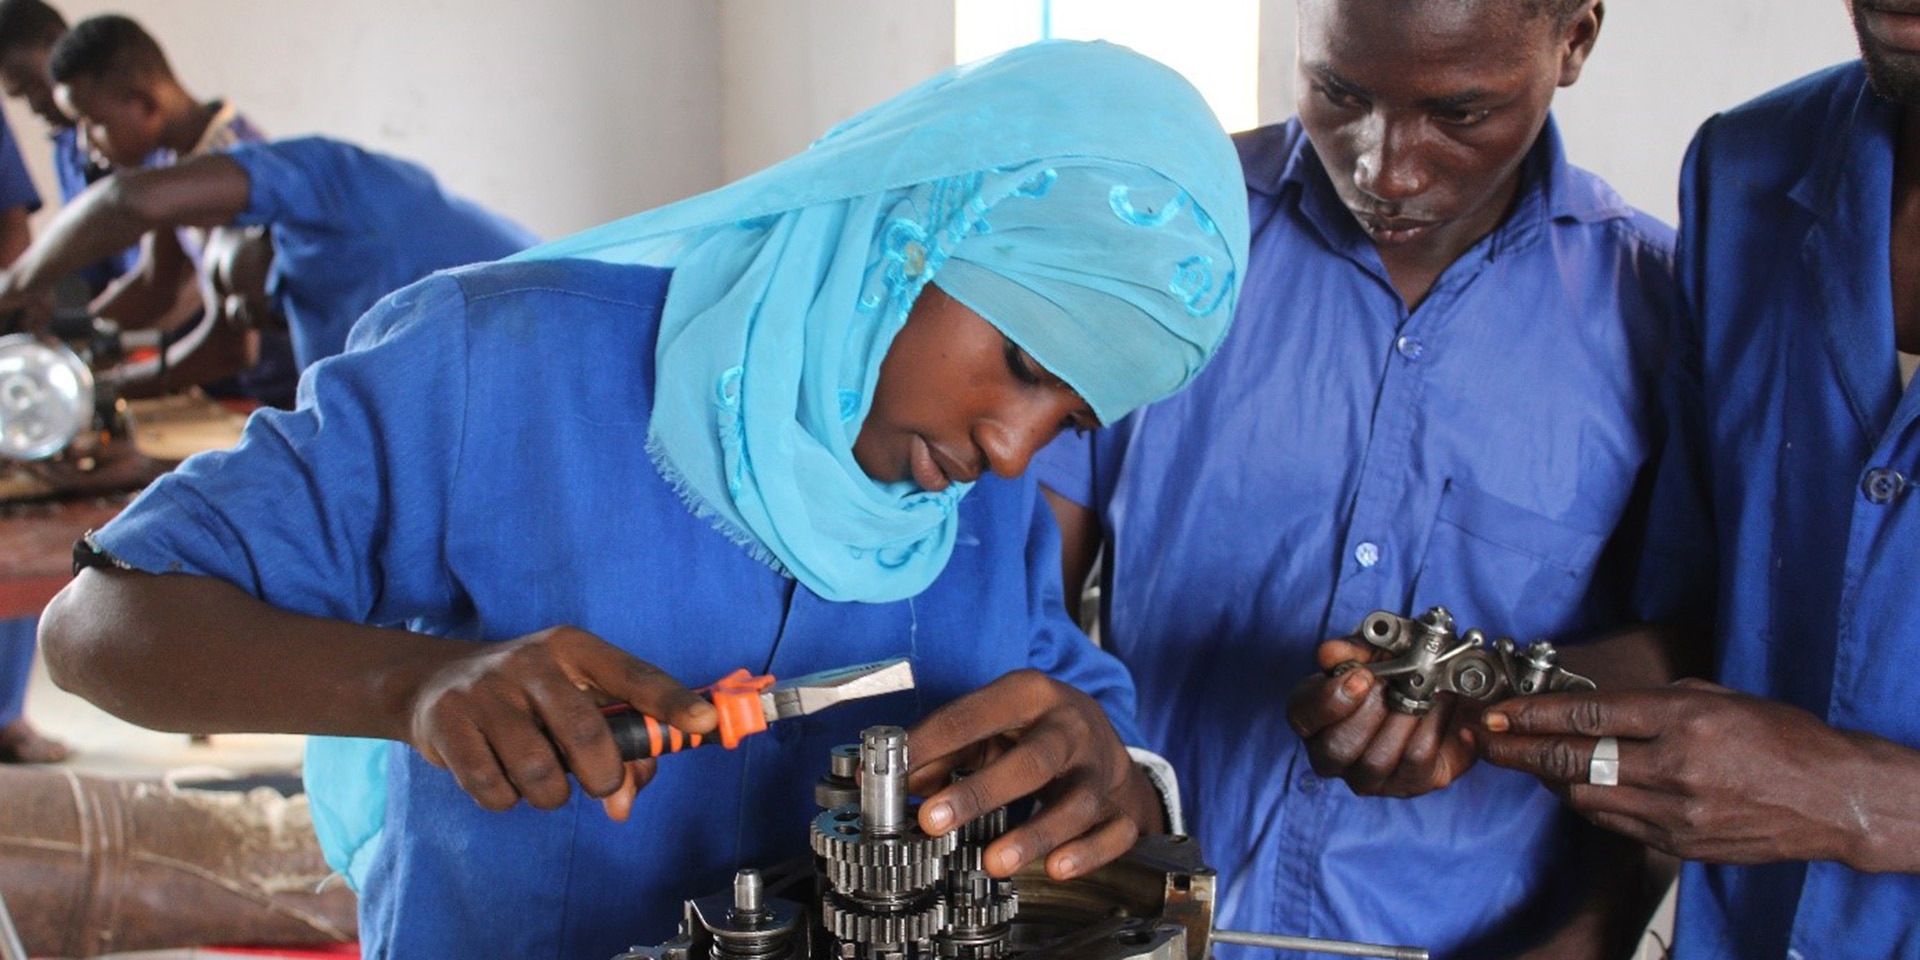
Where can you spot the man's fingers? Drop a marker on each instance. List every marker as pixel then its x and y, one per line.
pixel 1640 714
pixel 1569 760
pixel 1337 748
pixel 1320 701
pixel 1383 753
pixel 1339 650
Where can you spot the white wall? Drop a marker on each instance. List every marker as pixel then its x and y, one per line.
pixel 560 114
pixel 792 68
pixel 567 113
pixel 1661 67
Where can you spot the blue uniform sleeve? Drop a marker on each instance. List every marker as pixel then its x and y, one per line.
pixel 1677 574
pixel 303 181
pixel 1059 648
pixel 16 187
pixel 339 507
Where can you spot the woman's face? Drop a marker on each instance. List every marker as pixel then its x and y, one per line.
pixel 957 398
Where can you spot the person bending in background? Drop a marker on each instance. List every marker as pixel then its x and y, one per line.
pixel 1439 391
pixel 28 31
pixel 114 81
pixel 780 425
pixel 1786 522
pixel 340 227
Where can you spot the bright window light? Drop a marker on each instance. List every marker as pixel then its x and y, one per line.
pixel 1213 43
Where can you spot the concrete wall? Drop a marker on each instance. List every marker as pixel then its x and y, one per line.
pixel 792 68
pixel 568 113
pixel 1662 66
pixel 561 114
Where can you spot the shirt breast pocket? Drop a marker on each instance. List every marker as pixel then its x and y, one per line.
pixel 1504 568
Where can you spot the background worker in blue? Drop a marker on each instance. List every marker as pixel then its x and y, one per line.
pixel 762 465
pixel 1786 522
pixel 19 741
pixel 1438 391
pixel 28 31
pixel 111 77
pixel 344 227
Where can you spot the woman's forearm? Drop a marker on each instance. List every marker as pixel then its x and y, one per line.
pixel 196 654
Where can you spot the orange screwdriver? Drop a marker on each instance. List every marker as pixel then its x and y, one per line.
pixel 747 703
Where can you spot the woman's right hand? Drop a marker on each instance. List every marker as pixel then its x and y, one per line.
pixel 512 720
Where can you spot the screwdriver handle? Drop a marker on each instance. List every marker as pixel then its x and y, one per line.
pixel 736 697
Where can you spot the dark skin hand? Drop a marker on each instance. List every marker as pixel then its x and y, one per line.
pixel 1027 734
pixel 511 721
pixel 1351 733
pixel 1710 774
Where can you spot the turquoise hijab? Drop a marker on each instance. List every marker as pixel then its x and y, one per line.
pixel 1078 196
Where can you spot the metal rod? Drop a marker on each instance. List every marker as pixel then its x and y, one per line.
pixel 1345 948
pixel 883 780
pixel 10 946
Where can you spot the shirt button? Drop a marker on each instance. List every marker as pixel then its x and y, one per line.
pixel 1309 784
pixel 1410 347
pixel 1883 484
pixel 1367 554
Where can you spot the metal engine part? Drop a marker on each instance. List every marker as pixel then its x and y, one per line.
pixel 1430 659
pixel 887 891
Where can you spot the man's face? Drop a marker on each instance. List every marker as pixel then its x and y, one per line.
pixel 956 399
pixel 1889 32
pixel 1422 111
pixel 121 127
pixel 23 76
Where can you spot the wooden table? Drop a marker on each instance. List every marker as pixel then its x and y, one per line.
pixel 45 507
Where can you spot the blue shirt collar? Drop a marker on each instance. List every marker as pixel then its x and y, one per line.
pixel 1855 150
pixel 1550 189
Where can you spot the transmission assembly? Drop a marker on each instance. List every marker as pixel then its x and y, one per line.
pixel 878 888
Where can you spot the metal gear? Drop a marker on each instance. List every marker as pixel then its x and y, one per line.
pixel 863 925
pixel 891 866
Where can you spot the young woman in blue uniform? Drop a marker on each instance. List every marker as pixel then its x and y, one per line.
pixel 732 432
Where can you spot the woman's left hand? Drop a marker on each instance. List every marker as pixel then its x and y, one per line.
pixel 1027 734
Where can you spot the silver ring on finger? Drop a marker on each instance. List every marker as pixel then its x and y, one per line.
pixel 1604 769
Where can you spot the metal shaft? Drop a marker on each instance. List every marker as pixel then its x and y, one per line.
pixel 1345 948
pixel 883 780
pixel 10 946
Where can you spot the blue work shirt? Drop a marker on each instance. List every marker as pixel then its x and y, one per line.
pixel 1342 455
pixel 350 226
pixel 16 186
pixel 475 467
pixel 1796 430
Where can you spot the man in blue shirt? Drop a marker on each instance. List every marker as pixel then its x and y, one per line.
pixel 130 109
pixel 28 31
pixel 1786 520
pixel 343 227
pixel 1437 392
